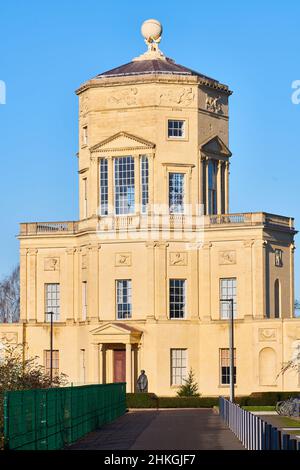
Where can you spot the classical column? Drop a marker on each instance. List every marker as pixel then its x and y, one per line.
pixel 150 279
pixel 219 187
pixel 77 280
pixel 69 284
pixel 259 291
pixel 128 368
pixel 93 187
pixel 110 178
pixel 151 182
pixel 206 186
pixel 101 356
pixel 161 307
pixel 23 284
pixel 137 184
pixel 201 181
pixel 31 286
pixel 205 279
pixel 226 197
pixel 247 285
pixel 193 284
pixel 96 362
pixel 93 283
pixel 292 274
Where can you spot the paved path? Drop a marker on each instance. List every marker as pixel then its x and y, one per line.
pixel 192 429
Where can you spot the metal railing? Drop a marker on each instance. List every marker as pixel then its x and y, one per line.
pixel 50 419
pixel 253 432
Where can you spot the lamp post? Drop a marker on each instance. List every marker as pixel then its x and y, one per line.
pixel 231 347
pixel 51 346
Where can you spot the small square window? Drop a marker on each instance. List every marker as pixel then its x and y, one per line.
pixel 176 129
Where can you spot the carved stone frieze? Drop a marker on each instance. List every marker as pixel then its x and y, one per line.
pixel 181 97
pixel 51 264
pixel 123 259
pixel 178 259
pixel 227 257
pixel 267 334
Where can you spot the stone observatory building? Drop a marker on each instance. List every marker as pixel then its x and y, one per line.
pixel 140 280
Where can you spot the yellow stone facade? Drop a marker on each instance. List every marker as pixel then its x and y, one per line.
pixel 127 115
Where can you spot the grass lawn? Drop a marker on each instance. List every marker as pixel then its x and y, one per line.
pixel 259 408
pixel 287 422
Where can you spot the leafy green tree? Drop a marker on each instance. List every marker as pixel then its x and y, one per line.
pixel 17 373
pixel 190 387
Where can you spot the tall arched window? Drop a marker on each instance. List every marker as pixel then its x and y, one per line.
pixel 277 299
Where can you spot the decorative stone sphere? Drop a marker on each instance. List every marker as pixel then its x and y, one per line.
pixel 151 30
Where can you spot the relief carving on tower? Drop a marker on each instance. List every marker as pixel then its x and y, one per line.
pixel 123 259
pixel 267 334
pixel 183 97
pixel 227 257
pixel 178 259
pixel 213 104
pixel 10 337
pixel 51 264
pixel 126 97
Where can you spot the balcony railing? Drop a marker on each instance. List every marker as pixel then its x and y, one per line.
pixel 173 221
pixel 37 228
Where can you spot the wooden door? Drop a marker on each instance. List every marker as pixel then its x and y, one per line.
pixel 119 365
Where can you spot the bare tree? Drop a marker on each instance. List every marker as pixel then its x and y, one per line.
pixel 10 297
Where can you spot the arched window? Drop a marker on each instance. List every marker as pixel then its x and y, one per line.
pixel 277 299
pixel 267 367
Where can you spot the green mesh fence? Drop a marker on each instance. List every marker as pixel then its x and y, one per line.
pixel 52 418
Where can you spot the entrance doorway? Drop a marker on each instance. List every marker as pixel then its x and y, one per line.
pixel 119 365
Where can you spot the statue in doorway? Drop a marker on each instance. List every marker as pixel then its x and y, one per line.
pixel 142 382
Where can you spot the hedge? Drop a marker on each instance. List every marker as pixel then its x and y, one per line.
pixel 265 398
pixel 150 400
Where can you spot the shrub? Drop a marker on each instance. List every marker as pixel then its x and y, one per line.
pixel 141 400
pixel 19 374
pixel 187 402
pixel 189 388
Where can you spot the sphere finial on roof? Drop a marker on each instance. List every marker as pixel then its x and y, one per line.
pixel 151 31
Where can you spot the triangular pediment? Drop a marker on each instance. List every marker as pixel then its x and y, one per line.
pixel 115 329
pixel 122 141
pixel 216 146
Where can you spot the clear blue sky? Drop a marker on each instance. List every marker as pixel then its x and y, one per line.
pixel 47 49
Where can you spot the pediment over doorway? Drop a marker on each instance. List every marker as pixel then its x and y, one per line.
pixel 114 332
pixel 123 141
pixel 215 145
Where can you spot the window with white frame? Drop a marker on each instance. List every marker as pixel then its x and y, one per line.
pixel 84 300
pixel 144 183
pixel 52 301
pixel 227 291
pixel 212 186
pixel 55 361
pixel 84 198
pixel 124 185
pixel 178 366
pixel 225 366
pixel 176 128
pixel 177 298
pixel 103 187
pixel 176 193
pixel 124 299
